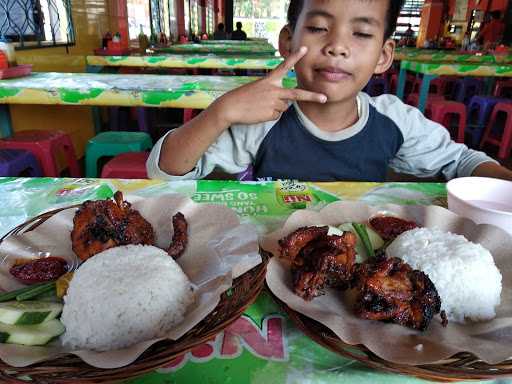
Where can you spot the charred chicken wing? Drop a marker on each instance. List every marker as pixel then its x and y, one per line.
pixel 389 289
pixel 319 260
pixel 103 224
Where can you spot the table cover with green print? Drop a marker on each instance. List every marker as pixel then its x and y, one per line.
pixel 262 346
pixel 118 90
pixel 449 56
pixel 222 49
pixel 121 90
pixel 235 42
pixel 431 70
pixel 187 61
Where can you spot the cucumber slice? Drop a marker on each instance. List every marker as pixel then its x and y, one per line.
pixel 38 334
pixel 374 237
pixel 28 312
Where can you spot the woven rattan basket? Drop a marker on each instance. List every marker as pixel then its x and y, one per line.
pixel 462 366
pixel 71 369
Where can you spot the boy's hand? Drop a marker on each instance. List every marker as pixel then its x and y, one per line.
pixel 265 99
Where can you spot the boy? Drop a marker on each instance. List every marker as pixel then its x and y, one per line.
pixel 326 129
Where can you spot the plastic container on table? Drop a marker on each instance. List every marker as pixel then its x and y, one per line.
pixel 17 71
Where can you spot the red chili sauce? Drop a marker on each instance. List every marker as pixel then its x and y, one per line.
pixel 39 270
pixel 389 227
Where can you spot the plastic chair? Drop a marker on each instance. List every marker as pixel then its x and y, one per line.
pixel 443 112
pixel 377 85
pixel 45 145
pixel 499 136
pixel 413 98
pixel 409 83
pixel 435 86
pixel 246 175
pixel 112 144
pixel 479 110
pixel 13 162
pixel 503 88
pixel 465 89
pixel 131 165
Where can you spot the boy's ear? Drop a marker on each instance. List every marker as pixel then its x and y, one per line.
pixel 386 57
pixel 285 41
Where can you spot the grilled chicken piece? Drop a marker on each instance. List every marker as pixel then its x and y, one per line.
pixel 291 245
pixel 103 224
pixel 327 261
pixel 179 237
pixel 389 289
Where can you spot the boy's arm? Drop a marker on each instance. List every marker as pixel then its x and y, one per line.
pixel 257 102
pixel 491 169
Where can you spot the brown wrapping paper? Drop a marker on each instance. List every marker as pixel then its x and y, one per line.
pixel 219 249
pixel 491 341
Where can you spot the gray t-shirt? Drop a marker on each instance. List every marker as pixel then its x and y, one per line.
pixel 388 133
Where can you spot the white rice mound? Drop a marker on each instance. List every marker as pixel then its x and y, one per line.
pixel 123 296
pixel 464 273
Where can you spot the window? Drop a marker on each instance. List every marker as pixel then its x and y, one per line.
pixel 410 14
pixel 152 16
pixel 32 23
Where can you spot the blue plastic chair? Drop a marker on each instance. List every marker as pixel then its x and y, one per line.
pixel 13 162
pixel 466 88
pixel 479 111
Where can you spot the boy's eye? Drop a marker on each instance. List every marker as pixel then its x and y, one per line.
pixel 316 29
pixel 363 35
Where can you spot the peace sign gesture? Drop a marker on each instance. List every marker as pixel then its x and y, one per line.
pixel 265 99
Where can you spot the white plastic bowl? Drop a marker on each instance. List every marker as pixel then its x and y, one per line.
pixel 482 199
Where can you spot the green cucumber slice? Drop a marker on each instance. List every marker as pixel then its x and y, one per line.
pixel 38 334
pixel 28 312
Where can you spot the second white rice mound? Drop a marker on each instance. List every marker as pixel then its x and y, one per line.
pixel 123 296
pixel 464 273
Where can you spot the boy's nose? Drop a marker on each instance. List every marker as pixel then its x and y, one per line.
pixel 336 47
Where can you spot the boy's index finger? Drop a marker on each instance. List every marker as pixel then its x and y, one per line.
pixel 282 70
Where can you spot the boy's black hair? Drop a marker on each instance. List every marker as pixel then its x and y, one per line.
pixel 295 8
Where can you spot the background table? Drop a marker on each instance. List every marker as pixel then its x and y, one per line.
pixel 223 49
pixel 450 56
pixel 263 346
pixel 95 63
pixel 431 70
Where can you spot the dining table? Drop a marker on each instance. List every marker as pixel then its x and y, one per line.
pixel 219 48
pixel 452 56
pixel 431 70
pixel 263 345
pixel 197 61
pixel 122 90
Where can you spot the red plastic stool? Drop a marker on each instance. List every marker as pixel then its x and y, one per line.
pixel 189 114
pixel 435 86
pixel 413 99
pixel 45 145
pixel 130 165
pixel 503 88
pixel 505 141
pixel 441 111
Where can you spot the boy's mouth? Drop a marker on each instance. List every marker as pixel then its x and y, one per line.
pixel 332 74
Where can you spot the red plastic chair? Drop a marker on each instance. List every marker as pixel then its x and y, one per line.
pixel 45 145
pixel 413 99
pixel 503 88
pixel 189 114
pixel 504 141
pixel 130 165
pixel 436 86
pixel 442 111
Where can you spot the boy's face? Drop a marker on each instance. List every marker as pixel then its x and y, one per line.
pixel 345 41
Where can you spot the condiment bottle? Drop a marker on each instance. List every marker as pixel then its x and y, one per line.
pixel 7 47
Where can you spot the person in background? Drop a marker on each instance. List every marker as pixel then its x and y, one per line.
pixel 220 33
pixel 238 34
pixel 492 31
pixel 326 129
pixel 409 32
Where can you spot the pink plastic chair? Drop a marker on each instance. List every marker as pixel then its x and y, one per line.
pixel 45 145
pixel 441 111
pixel 504 139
